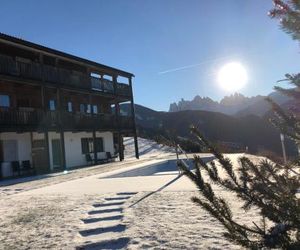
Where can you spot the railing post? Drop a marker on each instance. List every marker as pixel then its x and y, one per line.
pixel 101 83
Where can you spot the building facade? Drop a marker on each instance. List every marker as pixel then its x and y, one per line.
pixel 59 111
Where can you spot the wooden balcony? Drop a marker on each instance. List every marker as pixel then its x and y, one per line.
pixel 60 76
pixel 23 120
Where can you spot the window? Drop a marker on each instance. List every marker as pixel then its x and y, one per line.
pixel 4 101
pixel 70 107
pixel 87 145
pixel 52 105
pixel 82 108
pixel 88 108
pixel 95 109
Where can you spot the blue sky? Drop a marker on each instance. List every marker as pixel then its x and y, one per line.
pixel 147 37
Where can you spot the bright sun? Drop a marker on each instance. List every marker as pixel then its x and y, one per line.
pixel 232 77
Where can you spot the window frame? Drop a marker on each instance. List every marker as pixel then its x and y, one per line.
pixel 95 109
pixel 52 108
pixel 8 99
pixel 87 145
pixel 70 106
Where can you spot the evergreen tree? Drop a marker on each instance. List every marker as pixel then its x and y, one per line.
pixel 269 187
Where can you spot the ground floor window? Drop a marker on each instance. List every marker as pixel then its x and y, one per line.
pixel 52 105
pixel 70 107
pixel 4 101
pixel 87 145
pixel 95 109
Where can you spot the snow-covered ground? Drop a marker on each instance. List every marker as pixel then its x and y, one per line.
pixel 147 148
pixel 102 209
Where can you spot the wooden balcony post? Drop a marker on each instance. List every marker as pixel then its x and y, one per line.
pixel 120 139
pixel 63 150
pixel 117 112
pixel 43 98
pixel 115 82
pixel 94 130
pixel 62 134
pixel 133 121
pixel 46 136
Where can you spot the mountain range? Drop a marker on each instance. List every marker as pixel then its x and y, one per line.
pixel 236 119
pixel 235 104
pixel 251 131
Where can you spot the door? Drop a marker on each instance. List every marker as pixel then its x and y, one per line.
pixel 10 150
pixel 39 156
pixel 56 153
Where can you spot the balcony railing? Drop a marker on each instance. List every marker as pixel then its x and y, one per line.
pixel 103 85
pixel 10 117
pixel 37 71
pixel 123 89
pixel 107 86
pixel 38 119
pixel 126 122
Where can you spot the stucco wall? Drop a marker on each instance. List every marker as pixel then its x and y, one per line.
pixel 23 146
pixel 74 156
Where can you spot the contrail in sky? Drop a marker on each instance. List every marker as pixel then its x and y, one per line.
pixel 194 65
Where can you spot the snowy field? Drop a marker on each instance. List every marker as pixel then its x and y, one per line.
pixel 114 206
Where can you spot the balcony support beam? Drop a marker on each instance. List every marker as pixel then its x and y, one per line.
pixel 120 139
pixel 61 130
pixel 94 130
pixel 117 112
pixel 136 147
pixel 46 136
pixel 63 150
pixel 94 144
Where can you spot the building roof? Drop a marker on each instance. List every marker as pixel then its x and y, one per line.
pixel 60 53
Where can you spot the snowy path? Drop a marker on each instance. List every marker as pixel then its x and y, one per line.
pixel 103 228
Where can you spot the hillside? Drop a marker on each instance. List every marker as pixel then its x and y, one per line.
pixel 147 148
pixel 250 130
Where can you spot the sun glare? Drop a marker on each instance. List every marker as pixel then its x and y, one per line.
pixel 232 77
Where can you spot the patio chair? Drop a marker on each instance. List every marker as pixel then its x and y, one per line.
pixel 109 157
pixel 27 167
pixel 16 167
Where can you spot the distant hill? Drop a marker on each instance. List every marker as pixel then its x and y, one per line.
pixel 249 130
pixel 236 104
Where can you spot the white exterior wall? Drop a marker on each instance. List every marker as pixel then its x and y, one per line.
pixel 74 156
pixel 108 144
pixel 23 146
